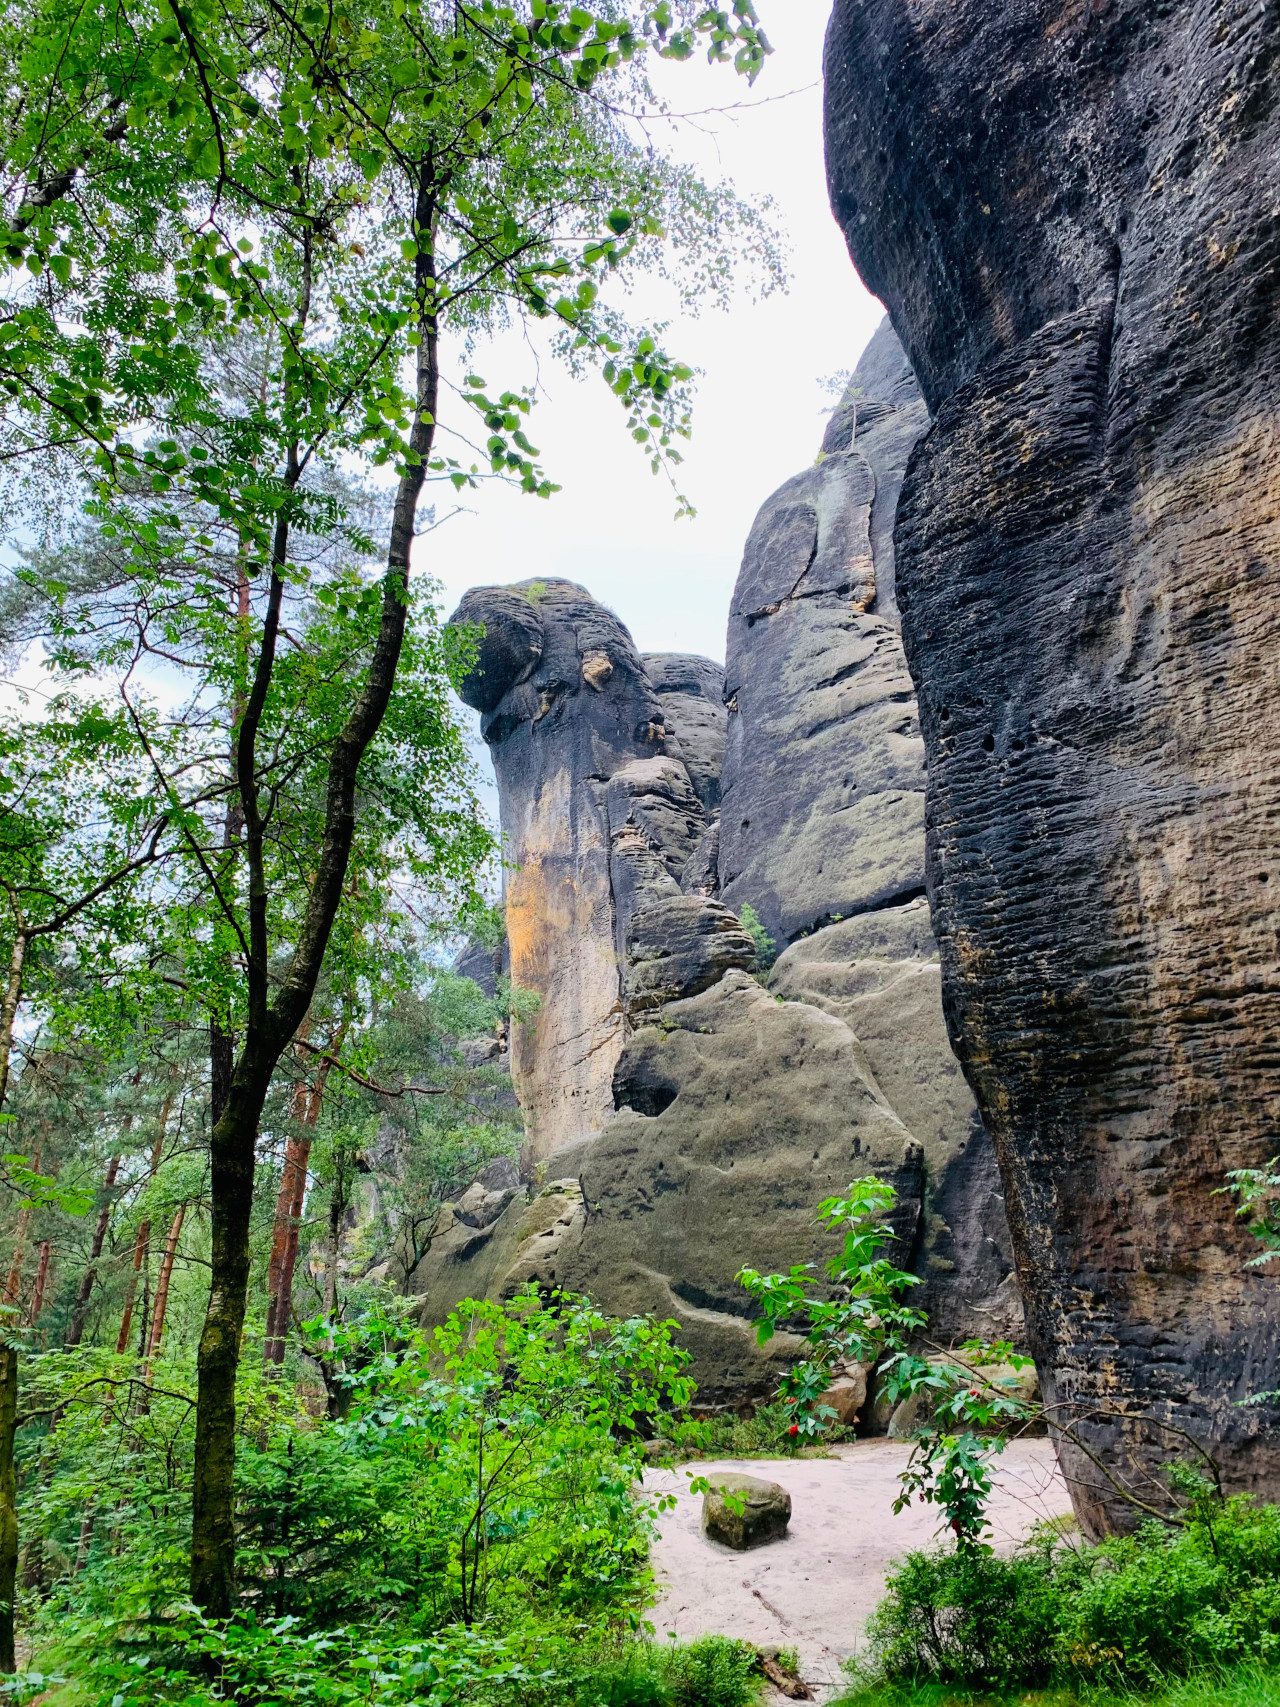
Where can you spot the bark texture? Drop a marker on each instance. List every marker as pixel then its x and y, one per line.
pixel 84 1291
pixel 8 1504
pixel 1073 216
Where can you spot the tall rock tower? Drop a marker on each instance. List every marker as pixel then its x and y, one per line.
pixel 688 1107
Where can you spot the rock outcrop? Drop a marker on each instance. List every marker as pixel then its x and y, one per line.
pixel 755 1512
pixel 691 693
pixel 823 811
pixel 1073 216
pixel 565 704
pixel 707 1115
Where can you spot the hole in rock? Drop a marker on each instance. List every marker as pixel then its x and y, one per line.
pixel 988 743
pixel 648 1100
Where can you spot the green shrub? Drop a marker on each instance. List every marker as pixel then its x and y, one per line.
pixel 1161 1603
pixel 767 1432
pixel 1135 1611
pixel 712 1672
pixel 186 1662
pixel 968 1617
pixel 766 948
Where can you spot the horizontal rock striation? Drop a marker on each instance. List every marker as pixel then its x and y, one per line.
pixel 1073 216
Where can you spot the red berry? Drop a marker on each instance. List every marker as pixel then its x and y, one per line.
pixel 794 1429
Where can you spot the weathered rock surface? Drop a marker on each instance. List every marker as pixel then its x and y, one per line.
pixel 880 973
pixel 691 692
pixel 705 1118
pixel 737 1113
pixel 755 1512
pixel 1073 216
pixel 823 807
pixel 679 947
pixel 565 703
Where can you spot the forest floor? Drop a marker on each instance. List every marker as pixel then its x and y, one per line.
pixel 814 1589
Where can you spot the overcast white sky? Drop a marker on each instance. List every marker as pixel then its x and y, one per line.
pixel 758 416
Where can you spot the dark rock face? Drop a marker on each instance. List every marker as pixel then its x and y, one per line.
pixel 1073 216
pixel 823 810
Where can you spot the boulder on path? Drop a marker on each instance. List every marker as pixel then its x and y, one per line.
pixel 755 1512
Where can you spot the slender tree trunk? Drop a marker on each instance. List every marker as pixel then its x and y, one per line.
pixel 42 1281
pixel 144 1320
pixel 9 1007
pixel 284 1243
pixel 333 1241
pixel 162 1286
pixel 86 1536
pixel 84 1291
pixel 142 1243
pixel 8 1429
pixel 139 1253
pixel 284 1288
pixel 13 1285
pixel 8 1504
pixel 307 1101
pixel 272 1025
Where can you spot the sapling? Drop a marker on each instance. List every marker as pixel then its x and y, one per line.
pixel 868 1321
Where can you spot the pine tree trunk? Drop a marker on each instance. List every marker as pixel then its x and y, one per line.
pixel 273 1345
pixel 42 1281
pixel 13 1285
pixel 284 1292
pixel 142 1243
pixel 162 1286
pixel 84 1291
pixel 306 1103
pixel 139 1252
pixel 284 1244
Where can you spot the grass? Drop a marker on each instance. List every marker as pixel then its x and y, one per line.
pixel 1243 1686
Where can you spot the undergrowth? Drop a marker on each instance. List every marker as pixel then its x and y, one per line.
pixel 1240 1686
pixel 1133 1613
pixel 768 1432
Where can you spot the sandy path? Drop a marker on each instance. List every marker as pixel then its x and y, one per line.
pixel 813 1589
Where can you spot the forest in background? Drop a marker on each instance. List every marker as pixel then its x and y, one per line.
pixel 251 251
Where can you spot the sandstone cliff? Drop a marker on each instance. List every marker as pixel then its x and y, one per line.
pixel 1073 216
pixel 683 1120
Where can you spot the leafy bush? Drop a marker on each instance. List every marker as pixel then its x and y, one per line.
pixel 969 1617
pixel 711 1672
pixel 769 1432
pixel 1135 1610
pixel 483 1475
pixel 187 1662
pixel 1161 1603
